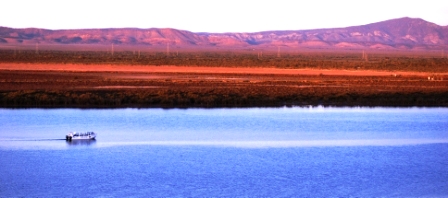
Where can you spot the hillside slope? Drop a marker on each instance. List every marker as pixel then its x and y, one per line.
pixel 402 33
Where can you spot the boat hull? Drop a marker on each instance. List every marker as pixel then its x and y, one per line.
pixel 80 136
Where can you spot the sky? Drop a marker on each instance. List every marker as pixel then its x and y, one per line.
pixel 214 15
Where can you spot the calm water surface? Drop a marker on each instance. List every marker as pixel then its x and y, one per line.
pixel 269 152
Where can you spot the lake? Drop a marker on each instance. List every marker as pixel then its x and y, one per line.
pixel 225 152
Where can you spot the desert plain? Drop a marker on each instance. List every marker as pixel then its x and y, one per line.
pixel 41 80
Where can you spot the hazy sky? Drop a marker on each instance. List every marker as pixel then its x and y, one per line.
pixel 214 16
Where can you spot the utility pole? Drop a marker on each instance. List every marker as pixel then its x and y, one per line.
pixel 278 51
pixel 112 49
pixel 167 49
pixel 364 56
pixel 37 48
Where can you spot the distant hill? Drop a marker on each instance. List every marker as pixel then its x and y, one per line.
pixel 402 33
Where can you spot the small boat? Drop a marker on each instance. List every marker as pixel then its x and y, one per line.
pixel 80 136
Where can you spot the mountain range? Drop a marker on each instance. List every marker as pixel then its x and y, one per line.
pixel 403 33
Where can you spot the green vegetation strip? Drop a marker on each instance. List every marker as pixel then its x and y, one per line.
pixel 182 99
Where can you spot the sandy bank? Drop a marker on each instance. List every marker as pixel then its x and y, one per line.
pixel 192 69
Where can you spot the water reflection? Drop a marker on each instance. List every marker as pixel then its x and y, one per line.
pixel 284 144
pixel 81 142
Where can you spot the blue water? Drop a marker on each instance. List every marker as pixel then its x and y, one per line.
pixel 254 152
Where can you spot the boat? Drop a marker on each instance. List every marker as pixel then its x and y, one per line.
pixel 80 136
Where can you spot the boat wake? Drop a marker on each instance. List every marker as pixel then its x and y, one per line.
pixel 30 140
pixel 287 144
pixel 49 139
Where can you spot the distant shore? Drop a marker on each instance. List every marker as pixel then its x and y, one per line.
pixel 116 86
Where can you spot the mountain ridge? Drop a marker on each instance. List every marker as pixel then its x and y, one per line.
pixel 401 33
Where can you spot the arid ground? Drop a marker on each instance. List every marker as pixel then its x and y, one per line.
pixel 103 85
